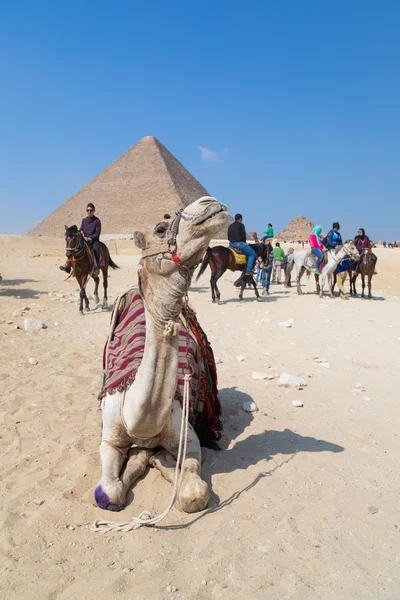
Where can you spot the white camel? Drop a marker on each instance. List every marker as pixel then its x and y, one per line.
pixel 334 258
pixel 147 416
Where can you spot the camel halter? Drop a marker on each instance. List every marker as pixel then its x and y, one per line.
pixel 170 245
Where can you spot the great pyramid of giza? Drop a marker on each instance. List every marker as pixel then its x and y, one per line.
pixel 131 194
pixel 298 229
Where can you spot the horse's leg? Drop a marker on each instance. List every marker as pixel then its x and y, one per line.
pixel 96 289
pixel 317 283
pixel 194 494
pixel 243 285
pixel 300 274
pixel 217 275
pixel 363 285
pixel 82 296
pixel 322 285
pixel 370 274
pixel 105 287
pixel 330 285
pixel 253 283
pixel 333 282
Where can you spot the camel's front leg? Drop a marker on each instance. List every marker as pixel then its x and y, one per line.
pixel 194 494
pixel 115 482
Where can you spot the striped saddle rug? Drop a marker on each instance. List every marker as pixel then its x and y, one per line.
pixel 123 354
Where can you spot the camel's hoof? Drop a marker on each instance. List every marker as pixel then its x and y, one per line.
pixel 103 501
pixel 194 495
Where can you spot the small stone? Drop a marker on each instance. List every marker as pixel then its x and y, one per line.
pixel 9 322
pixel 320 360
pixel 240 358
pixel 33 361
pixel 257 375
pixel 56 323
pixel 272 376
pixel 249 406
pixel 286 324
pixel 326 365
pixel 288 380
pixel 373 510
pixel 360 386
pixel 71 527
pixel 126 571
pixel 297 403
pixel 171 588
pixel 203 582
pixel 367 399
pixel 17 313
pixel 38 502
pixel 219 361
pixel 26 308
pixel 33 325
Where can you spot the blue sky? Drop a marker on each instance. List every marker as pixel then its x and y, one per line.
pixel 278 108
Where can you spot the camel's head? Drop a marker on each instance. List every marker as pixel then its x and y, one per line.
pixel 182 241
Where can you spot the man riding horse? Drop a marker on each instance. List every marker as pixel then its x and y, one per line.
pixel 237 241
pixel 90 229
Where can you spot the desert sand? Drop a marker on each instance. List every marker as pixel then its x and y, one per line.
pixel 305 501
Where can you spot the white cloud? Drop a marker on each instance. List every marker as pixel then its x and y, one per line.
pixel 212 155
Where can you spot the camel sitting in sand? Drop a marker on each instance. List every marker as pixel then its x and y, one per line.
pixel 147 415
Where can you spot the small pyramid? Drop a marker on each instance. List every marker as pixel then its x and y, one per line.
pixel 130 194
pixel 298 229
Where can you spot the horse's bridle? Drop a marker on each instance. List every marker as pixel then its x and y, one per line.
pixel 79 246
pixel 349 255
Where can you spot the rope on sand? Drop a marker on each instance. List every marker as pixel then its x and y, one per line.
pixel 145 518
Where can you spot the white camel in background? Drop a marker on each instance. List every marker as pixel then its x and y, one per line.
pixel 334 258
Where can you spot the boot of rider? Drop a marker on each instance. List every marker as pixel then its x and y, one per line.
pixel 67 267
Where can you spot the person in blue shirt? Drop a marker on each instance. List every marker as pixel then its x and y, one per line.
pixel 333 238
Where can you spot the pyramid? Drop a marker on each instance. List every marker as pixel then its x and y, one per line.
pixel 130 194
pixel 298 229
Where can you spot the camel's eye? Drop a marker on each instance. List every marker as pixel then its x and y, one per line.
pixel 160 229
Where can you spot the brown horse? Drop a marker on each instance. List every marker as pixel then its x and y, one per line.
pixel 80 256
pixel 221 258
pixel 365 268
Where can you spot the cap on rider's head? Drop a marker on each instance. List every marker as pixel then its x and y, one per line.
pixel 238 216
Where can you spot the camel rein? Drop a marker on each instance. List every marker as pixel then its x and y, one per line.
pixel 145 518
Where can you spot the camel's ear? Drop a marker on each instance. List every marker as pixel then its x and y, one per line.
pixel 139 240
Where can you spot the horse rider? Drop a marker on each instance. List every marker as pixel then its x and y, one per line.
pixel 90 229
pixel 268 233
pixel 237 240
pixel 317 246
pixel 333 239
pixel 361 242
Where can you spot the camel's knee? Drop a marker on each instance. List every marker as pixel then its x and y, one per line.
pixel 194 494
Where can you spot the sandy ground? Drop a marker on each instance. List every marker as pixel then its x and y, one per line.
pixel 305 501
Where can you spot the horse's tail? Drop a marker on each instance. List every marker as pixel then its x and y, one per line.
pixel 204 264
pixel 112 263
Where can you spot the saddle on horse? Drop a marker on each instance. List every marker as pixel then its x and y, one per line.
pixel 310 261
pixel 239 256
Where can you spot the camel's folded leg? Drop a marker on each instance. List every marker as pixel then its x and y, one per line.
pixel 138 461
pixel 194 494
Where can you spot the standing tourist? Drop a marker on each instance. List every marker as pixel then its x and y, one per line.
pixel 278 258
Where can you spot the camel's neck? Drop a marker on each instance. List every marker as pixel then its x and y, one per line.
pixel 148 401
